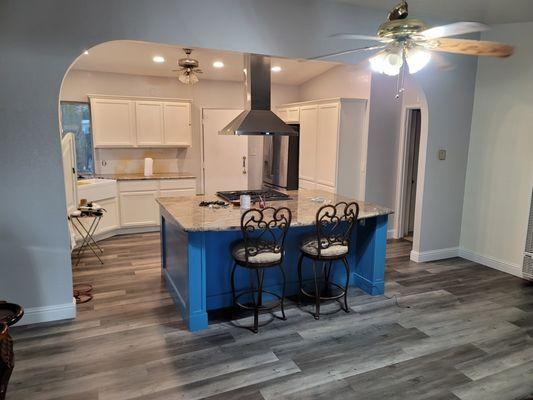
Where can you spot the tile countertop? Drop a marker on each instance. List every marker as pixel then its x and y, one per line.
pixel 193 218
pixel 165 175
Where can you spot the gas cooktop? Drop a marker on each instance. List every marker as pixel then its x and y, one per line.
pixel 266 194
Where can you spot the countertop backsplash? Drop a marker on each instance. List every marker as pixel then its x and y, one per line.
pixel 131 161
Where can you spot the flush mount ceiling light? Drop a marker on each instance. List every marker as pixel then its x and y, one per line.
pixel 188 71
pixel 407 41
pixel 218 64
pixel 276 68
pixel 86 52
pixel 158 59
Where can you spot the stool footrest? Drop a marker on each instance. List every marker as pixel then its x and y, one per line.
pixel 253 307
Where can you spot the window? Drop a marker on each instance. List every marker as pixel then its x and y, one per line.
pixel 76 118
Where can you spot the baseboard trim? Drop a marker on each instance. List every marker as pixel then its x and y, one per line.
pixel 36 315
pixel 492 262
pixel 433 255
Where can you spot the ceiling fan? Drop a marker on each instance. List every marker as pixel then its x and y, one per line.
pixel 410 41
pixel 189 69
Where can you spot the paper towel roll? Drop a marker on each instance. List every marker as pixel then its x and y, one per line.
pixel 148 166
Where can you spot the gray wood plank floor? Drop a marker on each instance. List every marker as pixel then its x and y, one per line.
pixel 445 330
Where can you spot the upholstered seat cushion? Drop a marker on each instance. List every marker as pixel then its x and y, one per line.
pixel 310 246
pixel 263 257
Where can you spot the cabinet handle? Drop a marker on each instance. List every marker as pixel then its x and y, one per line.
pixel 244 165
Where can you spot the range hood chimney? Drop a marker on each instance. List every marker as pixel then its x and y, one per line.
pixel 257 119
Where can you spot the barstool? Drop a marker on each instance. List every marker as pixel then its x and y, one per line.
pixel 331 242
pixel 10 314
pixel 262 247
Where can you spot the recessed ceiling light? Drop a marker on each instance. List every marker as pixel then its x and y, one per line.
pixel 218 64
pixel 276 68
pixel 159 59
pixel 86 52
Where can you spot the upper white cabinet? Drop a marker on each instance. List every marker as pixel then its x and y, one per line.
pixel 177 123
pixel 149 116
pixel 113 122
pixel 332 144
pixel 137 122
pixel 290 115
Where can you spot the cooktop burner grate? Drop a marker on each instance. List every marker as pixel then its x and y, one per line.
pixel 266 194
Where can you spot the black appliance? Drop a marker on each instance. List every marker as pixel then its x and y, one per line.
pixel 280 160
pixel 255 195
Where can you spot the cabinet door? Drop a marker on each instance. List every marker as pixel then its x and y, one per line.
pixel 138 208
pixel 113 122
pixel 327 140
pixel 149 117
pixel 177 124
pixel 293 114
pixel 110 220
pixel 308 136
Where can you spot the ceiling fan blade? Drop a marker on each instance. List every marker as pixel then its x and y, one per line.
pixel 457 28
pixel 340 53
pixel 473 47
pixel 360 37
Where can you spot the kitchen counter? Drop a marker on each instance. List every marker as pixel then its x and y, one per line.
pixel 196 247
pixel 164 175
pixel 191 217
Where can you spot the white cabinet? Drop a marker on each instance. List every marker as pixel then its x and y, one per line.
pixel 113 122
pixel 149 117
pixel 177 124
pixel 138 206
pixel 289 114
pixel 332 137
pixel 308 137
pixel 136 122
pixel 326 143
pixel 110 221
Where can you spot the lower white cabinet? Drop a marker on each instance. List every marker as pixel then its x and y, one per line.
pixel 138 208
pixel 110 220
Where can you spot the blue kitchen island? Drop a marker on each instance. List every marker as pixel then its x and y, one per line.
pixel 196 256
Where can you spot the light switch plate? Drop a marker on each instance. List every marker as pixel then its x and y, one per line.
pixel 442 155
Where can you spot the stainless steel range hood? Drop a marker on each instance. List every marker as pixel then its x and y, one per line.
pixel 257 119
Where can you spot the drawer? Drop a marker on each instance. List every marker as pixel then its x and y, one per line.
pixel 177 192
pixel 166 184
pixel 140 185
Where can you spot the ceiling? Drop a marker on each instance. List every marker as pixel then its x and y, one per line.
pixel 130 57
pixel 487 11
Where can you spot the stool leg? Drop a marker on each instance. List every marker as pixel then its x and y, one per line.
pixel 327 274
pixel 284 317
pixel 259 303
pixel 317 292
pixel 347 267
pixel 233 282
pixel 300 260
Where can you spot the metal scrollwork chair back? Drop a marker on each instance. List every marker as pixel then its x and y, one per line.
pixel 264 231
pixel 335 223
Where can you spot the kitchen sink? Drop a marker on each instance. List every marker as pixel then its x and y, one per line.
pixel 95 189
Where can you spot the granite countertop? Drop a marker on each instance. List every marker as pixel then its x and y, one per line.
pixel 164 175
pixel 191 217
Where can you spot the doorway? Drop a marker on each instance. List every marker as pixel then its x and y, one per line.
pixel 225 158
pixel 410 178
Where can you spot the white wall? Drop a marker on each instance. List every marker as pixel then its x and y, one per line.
pixel 206 94
pixel 39 42
pixel 350 81
pixel 500 161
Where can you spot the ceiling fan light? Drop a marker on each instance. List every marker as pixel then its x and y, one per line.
pixel 417 59
pixel 387 62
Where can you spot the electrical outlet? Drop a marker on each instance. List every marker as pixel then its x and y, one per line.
pixel 442 155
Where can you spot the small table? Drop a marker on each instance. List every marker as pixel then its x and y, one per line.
pixel 87 235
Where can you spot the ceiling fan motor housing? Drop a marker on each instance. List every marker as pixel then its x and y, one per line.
pixel 401 28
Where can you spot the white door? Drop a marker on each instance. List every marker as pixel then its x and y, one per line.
pixel 113 122
pixel 308 134
pixel 68 151
pixel 327 140
pixel 177 124
pixel 225 156
pixel 149 115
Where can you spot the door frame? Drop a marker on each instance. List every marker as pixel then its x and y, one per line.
pixel 402 169
pixel 202 141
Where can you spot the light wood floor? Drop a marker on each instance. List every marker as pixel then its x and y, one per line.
pixel 455 330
